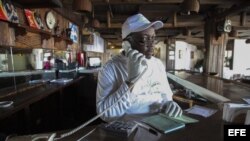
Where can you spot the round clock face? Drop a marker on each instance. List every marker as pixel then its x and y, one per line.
pixel 50 20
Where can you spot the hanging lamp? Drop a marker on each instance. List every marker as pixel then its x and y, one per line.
pixel 82 6
pixel 190 6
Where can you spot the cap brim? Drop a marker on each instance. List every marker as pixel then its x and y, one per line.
pixel 156 25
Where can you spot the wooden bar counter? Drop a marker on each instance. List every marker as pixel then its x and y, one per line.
pixel 207 129
pixel 41 107
pixel 226 90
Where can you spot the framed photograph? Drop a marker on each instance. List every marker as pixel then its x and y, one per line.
pixel 74 32
pixel 8 12
pixel 32 20
pixel 38 19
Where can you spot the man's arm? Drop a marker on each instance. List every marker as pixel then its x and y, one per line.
pixel 109 91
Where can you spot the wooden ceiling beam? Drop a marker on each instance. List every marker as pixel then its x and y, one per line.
pixel 75 18
pixel 100 2
pixel 108 19
pixel 234 10
pixel 155 16
pixel 238 24
pixel 159 7
pixel 194 41
pixel 166 25
pixel 175 20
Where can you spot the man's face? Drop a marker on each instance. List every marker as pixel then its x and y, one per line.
pixel 143 41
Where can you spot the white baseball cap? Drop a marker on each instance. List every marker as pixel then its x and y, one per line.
pixel 137 23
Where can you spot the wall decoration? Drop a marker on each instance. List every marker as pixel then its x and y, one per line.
pixel 50 20
pixel 31 19
pixel 8 11
pixel 38 19
pixel 74 32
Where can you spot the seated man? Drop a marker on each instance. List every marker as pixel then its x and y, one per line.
pixel 135 82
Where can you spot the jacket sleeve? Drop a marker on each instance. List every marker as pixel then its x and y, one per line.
pixel 111 93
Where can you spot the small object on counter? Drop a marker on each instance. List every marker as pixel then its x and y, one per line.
pixel 163 123
pixel 232 110
pixel 38 81
pixel 61 80
pixel 202 111
pixel 120 128
pixel 5 104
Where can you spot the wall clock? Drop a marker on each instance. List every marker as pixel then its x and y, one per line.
pixel 50 20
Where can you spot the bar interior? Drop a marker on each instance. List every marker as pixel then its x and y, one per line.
pixel 52 53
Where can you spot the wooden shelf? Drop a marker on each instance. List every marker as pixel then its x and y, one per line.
pixel 60 38
pixel 23 29
pixel 40 3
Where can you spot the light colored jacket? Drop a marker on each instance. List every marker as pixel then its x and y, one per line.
pixel 147 96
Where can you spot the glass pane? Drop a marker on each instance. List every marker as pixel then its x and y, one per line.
pixel 6 78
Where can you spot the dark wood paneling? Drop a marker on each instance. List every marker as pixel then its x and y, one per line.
pixel 7 36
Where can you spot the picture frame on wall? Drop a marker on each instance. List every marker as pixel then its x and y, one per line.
pixel 74 32
pixel 8 11
pixel 34 19
pixel 38 19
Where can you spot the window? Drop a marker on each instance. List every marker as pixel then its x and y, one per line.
pixel 192 55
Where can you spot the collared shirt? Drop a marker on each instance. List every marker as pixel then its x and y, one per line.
pixel 147 95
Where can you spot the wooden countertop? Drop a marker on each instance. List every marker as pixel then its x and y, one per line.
pixel 224 88
pixel 207 129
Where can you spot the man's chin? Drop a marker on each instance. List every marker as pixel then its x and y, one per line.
pixel 148 56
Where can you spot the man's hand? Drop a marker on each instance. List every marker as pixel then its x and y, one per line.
pixel 135 66
pixel 173 109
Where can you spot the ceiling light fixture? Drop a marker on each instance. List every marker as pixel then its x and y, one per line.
pixel 82 6
pixel 190 6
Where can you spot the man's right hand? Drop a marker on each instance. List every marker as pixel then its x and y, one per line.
pixel 135 66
